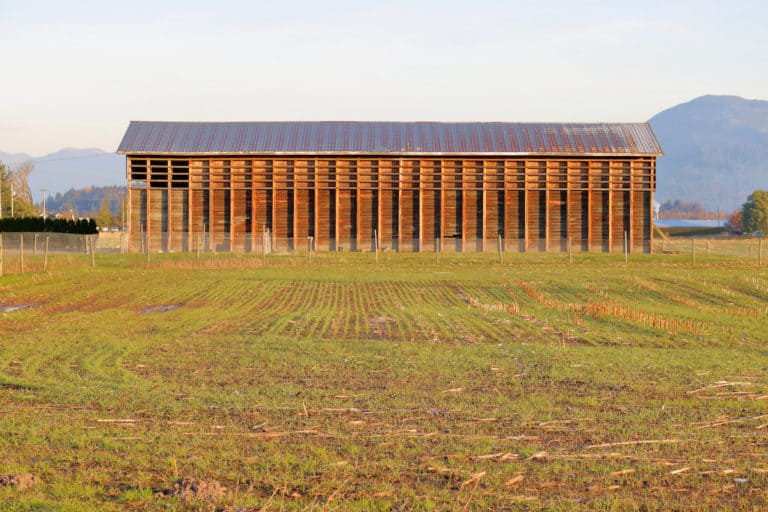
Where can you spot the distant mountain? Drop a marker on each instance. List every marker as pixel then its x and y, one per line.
pixel 71 168
pixel 716 151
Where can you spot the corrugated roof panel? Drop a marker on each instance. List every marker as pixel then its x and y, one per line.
pixel 338 137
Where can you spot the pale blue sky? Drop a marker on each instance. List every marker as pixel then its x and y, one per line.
pixel 74 73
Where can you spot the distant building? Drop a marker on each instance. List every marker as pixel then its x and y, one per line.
pixel 396 186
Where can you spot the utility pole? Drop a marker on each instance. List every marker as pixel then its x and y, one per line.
pixel 44 191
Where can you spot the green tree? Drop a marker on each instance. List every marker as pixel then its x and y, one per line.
pixel 5 191
pixel 103 217
pixel 16 181
pixel 755 212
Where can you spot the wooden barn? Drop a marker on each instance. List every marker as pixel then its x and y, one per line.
pixel 410 186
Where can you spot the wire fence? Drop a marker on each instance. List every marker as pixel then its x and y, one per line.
pixel 749 248
pixel 267 243
pixel 24 252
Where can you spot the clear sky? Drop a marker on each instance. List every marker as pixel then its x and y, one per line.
pixel 74 73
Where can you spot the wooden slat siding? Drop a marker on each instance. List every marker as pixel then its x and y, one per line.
pixel 346 174
pixel 619 186
pixel 379 215
pixel 556 206
pixel 482 214
pixel 359 207
pixel 408 219
pixel 451 206
pixel 493 190
pixel 177 217
pixel 316 195
pixel 420 209
pixel 303 203
pixel 367 203
pixel 536 203
pixel 388 190
pixel 599 205
pixel 514 201
pixel 466 177
pixel 473 208
pixel 650 203
pixel 322 202
pixel 282 205
pixel 429 200
pixel 641 210
pixel 441 215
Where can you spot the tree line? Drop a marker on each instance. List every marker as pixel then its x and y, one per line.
pixel 41 225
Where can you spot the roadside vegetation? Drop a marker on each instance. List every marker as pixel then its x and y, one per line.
pixel 416 383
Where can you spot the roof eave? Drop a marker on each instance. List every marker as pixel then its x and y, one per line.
pixel 383 153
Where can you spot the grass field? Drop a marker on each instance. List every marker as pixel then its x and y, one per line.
pixel 414 383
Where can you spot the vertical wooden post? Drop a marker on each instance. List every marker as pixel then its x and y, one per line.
pixel 45 259
pixel 484 213
pixel 197 247
pixel 760 252
pixel 707 246
pixel 693 250
pixel 376 244
pixel 34 245
pixel 400 205
pixel 310 239
pixel 93 251
pixel 420 213
pixel 501 250
pixel 1 255
pixel 148 250
pixel 21 253
pixel 626 248
pixel 570 251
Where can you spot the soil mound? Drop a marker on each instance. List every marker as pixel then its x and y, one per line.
pixel 20 482
pixel 193 489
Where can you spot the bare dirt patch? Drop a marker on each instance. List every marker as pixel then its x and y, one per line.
pixel 189 488
pixel 20 482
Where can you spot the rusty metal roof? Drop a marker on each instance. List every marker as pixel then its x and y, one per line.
pixel 398 138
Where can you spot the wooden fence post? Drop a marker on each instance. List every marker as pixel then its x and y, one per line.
pixel 1 255
pixel 45 258
pixel 626 248
pixel 760 252
pixel 501 251
pixel 93 250
pixel 21 253
pixel 693 250
pixel 376 244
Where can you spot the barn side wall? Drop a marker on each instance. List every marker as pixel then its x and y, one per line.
pixel 257 204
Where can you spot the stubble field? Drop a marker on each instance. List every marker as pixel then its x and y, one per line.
pixel 415 383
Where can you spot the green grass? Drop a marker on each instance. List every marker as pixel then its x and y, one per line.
pixel 418 383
